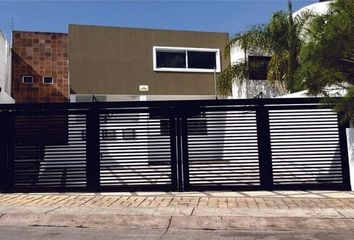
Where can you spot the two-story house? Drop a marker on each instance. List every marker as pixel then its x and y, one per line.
pixel 114 64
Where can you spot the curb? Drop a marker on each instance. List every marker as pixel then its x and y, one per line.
pixel 176 222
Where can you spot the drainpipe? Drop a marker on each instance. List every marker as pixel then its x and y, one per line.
pixel 215 85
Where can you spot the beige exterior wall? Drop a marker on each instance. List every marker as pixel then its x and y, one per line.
pixel 111 60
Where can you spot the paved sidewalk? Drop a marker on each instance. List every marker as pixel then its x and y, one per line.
pixel 280 200
pixel 277 211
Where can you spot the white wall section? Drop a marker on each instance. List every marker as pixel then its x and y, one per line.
pixel 5 70
pixel 350 143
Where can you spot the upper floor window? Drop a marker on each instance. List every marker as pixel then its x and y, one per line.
pixel 179 59
pixel 27 79
pixel 258 67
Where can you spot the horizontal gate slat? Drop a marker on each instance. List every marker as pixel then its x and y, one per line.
pixel 305 147
pixel 50 151
pixel 223 153
pixel 138 153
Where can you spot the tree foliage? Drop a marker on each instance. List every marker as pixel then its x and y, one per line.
pixel 279 38
pixel 237 72
pixel 293 49
pixel 327 57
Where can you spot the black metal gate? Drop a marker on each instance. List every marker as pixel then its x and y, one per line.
pixel 251 144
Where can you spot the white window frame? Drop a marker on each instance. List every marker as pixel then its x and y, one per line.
pixel 186 69
pixel 23 79
pixel 47 77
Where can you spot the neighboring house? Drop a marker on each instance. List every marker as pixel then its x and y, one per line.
pixel 257 85
pixel 114 63
pixel 39 67
pixel 5 71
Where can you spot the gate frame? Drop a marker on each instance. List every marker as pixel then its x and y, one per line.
pixel 178 139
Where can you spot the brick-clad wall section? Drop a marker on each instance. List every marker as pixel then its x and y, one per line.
pixel 40 54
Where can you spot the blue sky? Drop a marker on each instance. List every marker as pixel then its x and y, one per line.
pixel 202 15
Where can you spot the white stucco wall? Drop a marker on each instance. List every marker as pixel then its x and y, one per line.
pixel 3 61
pixel 316 8
pixel 350 143
pixel 5 71
pixel 236 55
pixel 250 88
pixel 253 88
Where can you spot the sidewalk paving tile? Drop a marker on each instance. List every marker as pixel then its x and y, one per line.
pixel 348 213
pixel 101 200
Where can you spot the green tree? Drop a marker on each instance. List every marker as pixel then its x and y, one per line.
pixel 279 39
pixel 293 41
pixel 327 57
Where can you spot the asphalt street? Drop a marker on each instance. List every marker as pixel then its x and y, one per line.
pixel 72 233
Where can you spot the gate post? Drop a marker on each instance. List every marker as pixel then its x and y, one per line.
pixel 173 142
pixel 344 154
pixel 3 150
pixel 93 150
pixel 179 151
pixel 185 159
pixel 264 148
pixel 6 152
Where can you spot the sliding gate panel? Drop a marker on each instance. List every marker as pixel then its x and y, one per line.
pixel 305 147
pixel 135 150
pixel 49 151
pixel 247 144
pixel 223 150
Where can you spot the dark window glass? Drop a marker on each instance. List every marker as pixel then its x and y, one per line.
pixel 83 135
pixel 258 67
pixel 164 123
pixel 171 59
pixel 128 134
pixel 197 127
pixel 48 80
pixel 41 129
pixel 27 79
pixel 198 124
pixel 203 60
pixel 165 127
pixel 108 134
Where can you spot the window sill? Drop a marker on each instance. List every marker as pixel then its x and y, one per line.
pixel 195 70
